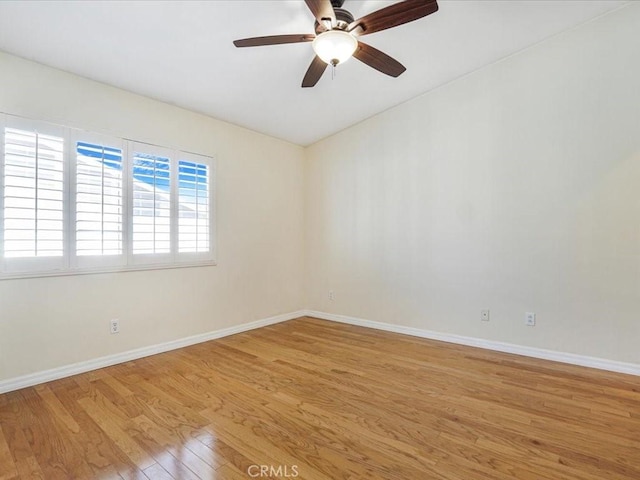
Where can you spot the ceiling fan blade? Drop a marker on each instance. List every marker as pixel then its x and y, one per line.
pixel 314 72
pixel 392 16
pixel 274 40
pixel 378 60
pixel 323 11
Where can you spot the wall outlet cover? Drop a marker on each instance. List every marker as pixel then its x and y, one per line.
pixel 530 319
pixel 114 326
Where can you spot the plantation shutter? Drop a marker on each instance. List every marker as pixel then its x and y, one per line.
pixel 193 207
pixel 99 201
pixel 152 212
pixel 33 203
pixel 74 201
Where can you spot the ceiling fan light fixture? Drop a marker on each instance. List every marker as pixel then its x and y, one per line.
pixel 335 46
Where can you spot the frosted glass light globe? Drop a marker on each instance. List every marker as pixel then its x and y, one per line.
pixel 335 46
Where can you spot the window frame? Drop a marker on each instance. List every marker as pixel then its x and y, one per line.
pixel 72 264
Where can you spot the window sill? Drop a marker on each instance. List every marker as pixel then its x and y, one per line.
pixel 100 271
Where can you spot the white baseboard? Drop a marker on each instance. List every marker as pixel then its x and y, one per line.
pixel 86 366
pixel 570 358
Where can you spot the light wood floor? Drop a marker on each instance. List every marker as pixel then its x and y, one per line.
pixel 326 401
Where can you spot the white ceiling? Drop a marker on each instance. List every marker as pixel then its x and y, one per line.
pixel 181 53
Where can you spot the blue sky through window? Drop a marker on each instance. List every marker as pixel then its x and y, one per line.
pixel 189 173
pixel 192 180
pixel 152 170
pixel 111 157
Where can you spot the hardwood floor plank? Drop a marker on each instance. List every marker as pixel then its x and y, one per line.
pixel 156 472
pixel 28 468
pixel 245 440
pixel 230 472
pixel 101 453
pixel 202 466
pixel 167 459
pixel 51 443
pixel 8 467
pixel 77 437
pixel 337 402
pixel 118 436
pixel 11 433
pixel 234 458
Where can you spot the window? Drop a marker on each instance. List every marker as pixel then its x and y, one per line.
pixel 74 201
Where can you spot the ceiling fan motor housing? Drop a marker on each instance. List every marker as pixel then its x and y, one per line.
pixel 343 19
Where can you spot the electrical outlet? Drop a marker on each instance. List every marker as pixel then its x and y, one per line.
pixel 114 326
pixel 332 295
pixel 530 319
pixel 484 315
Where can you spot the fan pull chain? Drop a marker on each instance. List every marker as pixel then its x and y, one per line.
pixel 333 71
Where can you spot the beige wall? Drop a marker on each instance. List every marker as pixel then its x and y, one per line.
pixel 515 188
pixel 50 322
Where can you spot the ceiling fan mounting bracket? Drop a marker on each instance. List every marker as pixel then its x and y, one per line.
pixel 337 3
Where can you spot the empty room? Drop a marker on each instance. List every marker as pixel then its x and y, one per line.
pixel 320 239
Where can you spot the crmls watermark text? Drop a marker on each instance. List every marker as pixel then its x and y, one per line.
pixel 266 471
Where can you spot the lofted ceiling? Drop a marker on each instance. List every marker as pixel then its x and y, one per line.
pixel 181 52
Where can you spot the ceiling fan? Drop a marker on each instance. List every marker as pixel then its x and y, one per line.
pixel 336 35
